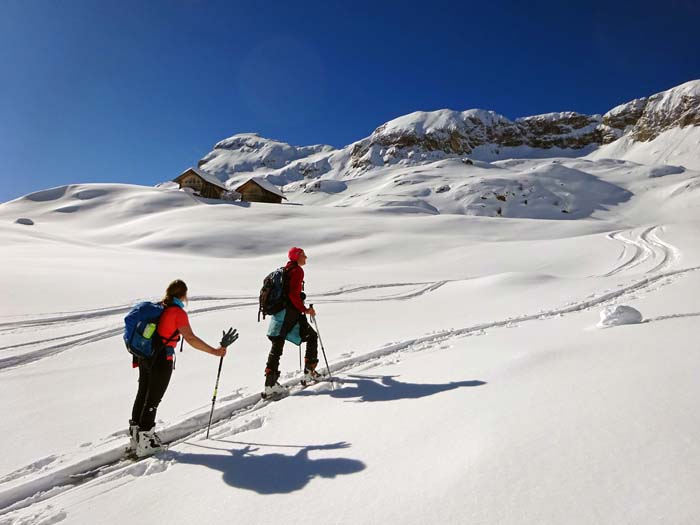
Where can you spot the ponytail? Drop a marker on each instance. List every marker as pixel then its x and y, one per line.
pixel 176 290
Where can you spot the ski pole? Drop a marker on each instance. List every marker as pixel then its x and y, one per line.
pixel 300 369
pixel 323 350
pixel 213 399
pixel 227 339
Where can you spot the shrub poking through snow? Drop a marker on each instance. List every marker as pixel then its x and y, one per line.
pixel 619 315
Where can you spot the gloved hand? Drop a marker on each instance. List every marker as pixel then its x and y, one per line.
pixel 228 338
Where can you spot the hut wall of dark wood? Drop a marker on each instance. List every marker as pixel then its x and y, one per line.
pixel 201 186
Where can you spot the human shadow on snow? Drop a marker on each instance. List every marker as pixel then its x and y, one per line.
pixel 386 388
pixel 273 473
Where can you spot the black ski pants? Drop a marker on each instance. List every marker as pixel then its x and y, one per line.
pixel 308 336
pixel 154 377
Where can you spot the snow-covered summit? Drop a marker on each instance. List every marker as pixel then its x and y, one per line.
pixel 425 123
pixel 249 152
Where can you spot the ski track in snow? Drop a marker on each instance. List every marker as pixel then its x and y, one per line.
pixel 80 316
pixel 93 336
pixel 671 254
pixel 643 247
pixel 69 473
pixel 46 516
pixel 49 340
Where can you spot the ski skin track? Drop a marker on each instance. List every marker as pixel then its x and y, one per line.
pixel 646 245
pixel 101 333
pixel 45 487
pixel 80 316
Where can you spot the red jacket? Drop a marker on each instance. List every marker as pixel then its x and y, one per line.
pixel 295 280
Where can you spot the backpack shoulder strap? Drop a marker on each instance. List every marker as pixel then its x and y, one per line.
pixel 175 333
pixel 285 277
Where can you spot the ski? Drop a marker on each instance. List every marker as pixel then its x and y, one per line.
pixel 114 459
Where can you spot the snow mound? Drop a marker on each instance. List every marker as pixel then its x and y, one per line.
pixel 168 186
pixel 619 315
pixel 548 192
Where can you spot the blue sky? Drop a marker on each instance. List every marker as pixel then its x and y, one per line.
pixel 137 91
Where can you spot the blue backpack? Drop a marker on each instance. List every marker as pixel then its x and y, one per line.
pixel 140 335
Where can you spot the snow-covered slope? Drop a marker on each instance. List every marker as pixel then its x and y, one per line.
pixel 472 382
pixel 674 146
pixel 471 335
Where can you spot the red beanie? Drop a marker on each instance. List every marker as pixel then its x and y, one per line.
pixel 294 253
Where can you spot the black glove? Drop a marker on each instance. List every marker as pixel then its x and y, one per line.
pixel 228 338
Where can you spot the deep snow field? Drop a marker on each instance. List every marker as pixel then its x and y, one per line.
pixel 472 382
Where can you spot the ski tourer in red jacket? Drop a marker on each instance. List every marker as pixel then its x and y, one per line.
pixel 291 324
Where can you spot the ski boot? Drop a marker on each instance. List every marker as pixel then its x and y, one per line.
pixel 148 444
pixel 310 375
pixel 272 387
pixel 274 391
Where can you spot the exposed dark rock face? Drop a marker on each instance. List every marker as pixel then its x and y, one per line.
pixel 654 119
pixel 617 120
pixel 460 137
pixel 565 130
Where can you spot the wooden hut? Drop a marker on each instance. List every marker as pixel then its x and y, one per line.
pixel 259 190
pixel 204 184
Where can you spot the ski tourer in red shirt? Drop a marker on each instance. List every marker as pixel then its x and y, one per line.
pixel 291 324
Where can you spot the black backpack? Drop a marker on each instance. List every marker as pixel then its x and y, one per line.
pixel 273 294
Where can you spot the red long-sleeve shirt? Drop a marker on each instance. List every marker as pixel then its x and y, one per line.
pixel 295 276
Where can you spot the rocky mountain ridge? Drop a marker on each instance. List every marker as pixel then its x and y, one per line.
pixel 422 137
